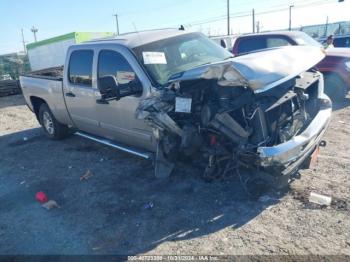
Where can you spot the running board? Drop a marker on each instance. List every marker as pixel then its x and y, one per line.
pixel 113 144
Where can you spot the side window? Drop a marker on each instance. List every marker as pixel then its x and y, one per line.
pixel 112 63
pixel 80 67
pixel 342 42
pixel 223 43
pixel 276 42
pixel 250 44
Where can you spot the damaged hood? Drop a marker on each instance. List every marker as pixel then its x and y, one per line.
pixel 259 71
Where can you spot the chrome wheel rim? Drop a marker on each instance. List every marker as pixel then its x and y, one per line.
pixel 48 123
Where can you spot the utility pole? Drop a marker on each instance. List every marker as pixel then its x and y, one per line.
pixel 228 17
pixel 253 15
pixel 34 31
pixel 290 17
pixel 326 27
pixel 209 31
pixel 258 27
pixel 117 23
pixel 24 42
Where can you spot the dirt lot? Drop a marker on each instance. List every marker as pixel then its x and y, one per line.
pixel 112 213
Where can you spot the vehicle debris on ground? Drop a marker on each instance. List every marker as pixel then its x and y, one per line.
pixel 50 205
pixel 86 176
pixel 320 199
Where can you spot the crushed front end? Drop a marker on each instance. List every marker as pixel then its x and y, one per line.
pixel 223 121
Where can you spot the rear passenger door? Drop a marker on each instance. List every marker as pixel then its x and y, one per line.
pixel 79 91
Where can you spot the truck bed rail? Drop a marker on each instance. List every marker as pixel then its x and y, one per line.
pixel 52 73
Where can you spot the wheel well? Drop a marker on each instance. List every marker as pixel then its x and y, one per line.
pixel 36 103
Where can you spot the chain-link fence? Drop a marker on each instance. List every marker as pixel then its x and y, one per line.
pixel 13 65
pixel 318 31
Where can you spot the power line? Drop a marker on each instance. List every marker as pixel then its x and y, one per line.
pixel 175 22
pixel 153 9
pixel 217 18
pixel 247 13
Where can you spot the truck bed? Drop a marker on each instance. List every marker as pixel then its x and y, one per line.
pixel 52 73
pixel 46 85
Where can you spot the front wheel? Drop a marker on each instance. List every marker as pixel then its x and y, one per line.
pixel 52 128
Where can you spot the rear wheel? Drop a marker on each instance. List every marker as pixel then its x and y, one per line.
pixel 335 87
pixel 52 128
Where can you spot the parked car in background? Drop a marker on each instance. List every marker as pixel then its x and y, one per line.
pixel 335 66
pixel 224 41
pixel 336 69
pixel 5 77
pixel 339 40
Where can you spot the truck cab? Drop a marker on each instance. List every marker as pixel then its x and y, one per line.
pixel 85 74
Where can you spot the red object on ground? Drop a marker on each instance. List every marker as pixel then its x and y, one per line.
pixel 41 197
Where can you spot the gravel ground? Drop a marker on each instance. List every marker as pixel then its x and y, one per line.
pixel 123 209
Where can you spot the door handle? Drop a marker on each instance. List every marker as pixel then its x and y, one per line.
pixel 70 94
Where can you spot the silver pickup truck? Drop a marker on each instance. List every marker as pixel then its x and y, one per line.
pixel 171 95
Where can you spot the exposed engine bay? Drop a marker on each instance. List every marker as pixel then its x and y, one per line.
pixel 220 124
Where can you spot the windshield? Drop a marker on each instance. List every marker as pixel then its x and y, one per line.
pixel 304 39
pixel 167 57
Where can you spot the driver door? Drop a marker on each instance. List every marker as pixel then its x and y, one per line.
pixel 117 118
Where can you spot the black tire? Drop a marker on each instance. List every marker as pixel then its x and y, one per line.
pixel 52 128
pixel 335 87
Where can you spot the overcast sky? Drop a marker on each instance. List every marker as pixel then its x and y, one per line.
pixel 56 17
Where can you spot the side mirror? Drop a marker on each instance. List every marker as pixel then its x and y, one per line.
pixel 108 87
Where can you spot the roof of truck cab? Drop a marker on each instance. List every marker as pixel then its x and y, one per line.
pixel 136 39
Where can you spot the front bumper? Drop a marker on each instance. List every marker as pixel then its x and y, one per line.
pixel 289 156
